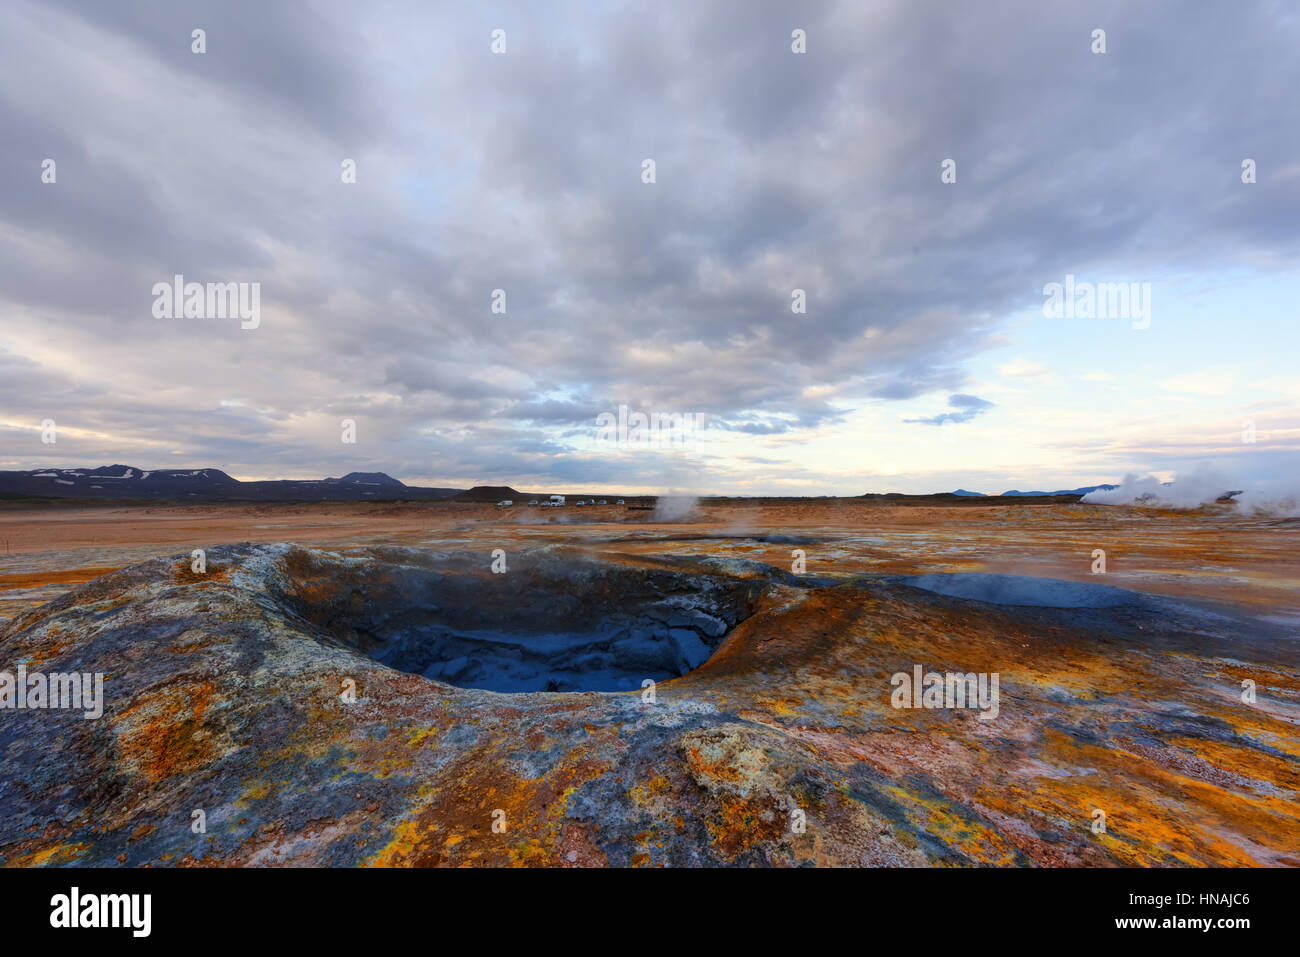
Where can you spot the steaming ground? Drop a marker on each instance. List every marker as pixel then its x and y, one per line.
pixel 1204 486
pixel 675 508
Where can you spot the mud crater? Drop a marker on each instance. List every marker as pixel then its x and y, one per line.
pixel 556 620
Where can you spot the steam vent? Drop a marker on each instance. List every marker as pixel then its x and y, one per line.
pixel 388 706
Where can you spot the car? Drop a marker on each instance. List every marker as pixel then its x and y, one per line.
pixel 619 502
pixel 579 502
pixel 533 502
pixel 601 502
pixel 505 503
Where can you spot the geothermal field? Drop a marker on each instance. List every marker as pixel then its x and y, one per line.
pixel 733 682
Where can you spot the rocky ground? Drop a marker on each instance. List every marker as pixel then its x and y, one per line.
pixel 334 704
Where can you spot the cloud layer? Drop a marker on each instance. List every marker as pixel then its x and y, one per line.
pixel 522 171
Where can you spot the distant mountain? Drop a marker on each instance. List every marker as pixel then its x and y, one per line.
pixel 967 493
pixel 488 493
pixel 207 485
pixel 367 478
pixel 1069 491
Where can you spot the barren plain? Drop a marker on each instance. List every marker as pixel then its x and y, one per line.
pixel 771 736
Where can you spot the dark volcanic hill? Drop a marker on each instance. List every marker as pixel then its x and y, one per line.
pixel 488 493
pixel 207 485
pixel 367 478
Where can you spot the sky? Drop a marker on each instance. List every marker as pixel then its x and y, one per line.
pixel 924 359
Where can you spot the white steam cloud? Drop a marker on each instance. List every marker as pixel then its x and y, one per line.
pixel 675 508
pixel 1201 487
